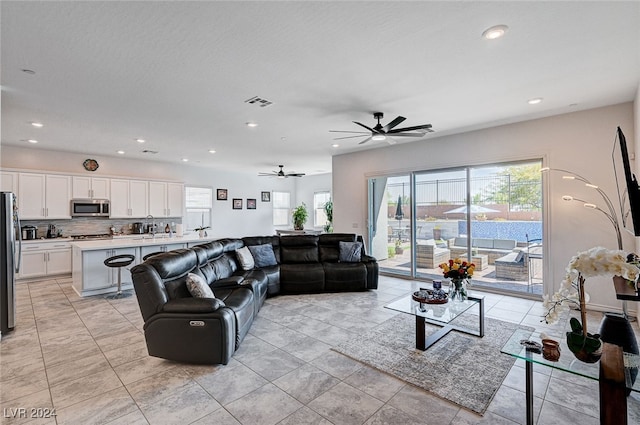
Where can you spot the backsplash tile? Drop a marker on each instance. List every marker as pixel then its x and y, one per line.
pixel 94 226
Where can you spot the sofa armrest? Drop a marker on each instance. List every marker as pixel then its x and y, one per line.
pixel 192 305
pixel 367 259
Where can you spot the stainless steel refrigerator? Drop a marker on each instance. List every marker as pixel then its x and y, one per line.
pixel 10 254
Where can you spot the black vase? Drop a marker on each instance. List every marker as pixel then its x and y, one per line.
pixel 616 329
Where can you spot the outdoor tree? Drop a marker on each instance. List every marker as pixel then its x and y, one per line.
pixel 520 187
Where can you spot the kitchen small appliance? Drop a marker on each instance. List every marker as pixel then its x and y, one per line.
pixel 137 228
pixel 52 232
pixel 29 233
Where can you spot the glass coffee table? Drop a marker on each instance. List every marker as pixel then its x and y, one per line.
pixel 441 315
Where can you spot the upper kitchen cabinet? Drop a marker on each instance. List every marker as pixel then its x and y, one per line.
pixel 91 187
pixel 166 199
pixel 44 196
pixel 129 198
pixel 8 182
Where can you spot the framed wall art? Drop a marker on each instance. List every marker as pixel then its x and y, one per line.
pixel 265 196
pixel 221 194
pixel 237 203
pixel 251 204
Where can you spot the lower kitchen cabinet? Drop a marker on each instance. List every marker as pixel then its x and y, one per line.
pixel 45 259
pixel 145 250
pixel 92 277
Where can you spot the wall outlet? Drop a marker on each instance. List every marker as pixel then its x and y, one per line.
pixel 130 226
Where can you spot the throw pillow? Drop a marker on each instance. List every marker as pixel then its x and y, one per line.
pixel 350 252
pixel 198 287
pixel 263 255
pixel 245 258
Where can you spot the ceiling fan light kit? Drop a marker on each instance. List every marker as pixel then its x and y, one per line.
pixel 281 174
pixel 386 133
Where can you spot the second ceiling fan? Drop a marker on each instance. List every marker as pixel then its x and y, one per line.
pixel 386 132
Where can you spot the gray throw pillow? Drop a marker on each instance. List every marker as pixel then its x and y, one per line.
pixel 245 258
pixel 263 255
pixel 198 287
pixel 350 252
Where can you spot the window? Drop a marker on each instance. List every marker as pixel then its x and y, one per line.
pixel 319 216
pixel 199 201
pixel 281 208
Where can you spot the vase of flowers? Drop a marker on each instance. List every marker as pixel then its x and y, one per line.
pixel 459 271
pixel 597 261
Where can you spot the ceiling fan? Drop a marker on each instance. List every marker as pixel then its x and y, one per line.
pixel 386 132
pixel 281 174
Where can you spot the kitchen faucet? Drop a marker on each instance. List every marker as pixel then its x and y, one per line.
pixel 152 229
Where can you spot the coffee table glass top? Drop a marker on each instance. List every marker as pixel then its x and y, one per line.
pixel 567 362
pixel 443 313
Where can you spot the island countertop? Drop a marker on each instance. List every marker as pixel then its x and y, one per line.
pixel 137 241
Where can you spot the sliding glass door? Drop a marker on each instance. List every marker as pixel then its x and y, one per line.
pixel 489 215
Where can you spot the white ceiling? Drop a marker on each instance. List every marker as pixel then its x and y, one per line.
pixel 178 73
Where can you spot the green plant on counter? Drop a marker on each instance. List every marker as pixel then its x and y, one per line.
pixel 300 215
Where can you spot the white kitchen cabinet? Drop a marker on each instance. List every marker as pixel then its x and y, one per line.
pixel 85 187
pixel 166 199
pixel 45 259
pixel 8 182
pixel 44 196
pixel 144 250
pixel 91 276
pixel 129 198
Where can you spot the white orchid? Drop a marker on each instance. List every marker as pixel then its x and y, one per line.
pixel 597 261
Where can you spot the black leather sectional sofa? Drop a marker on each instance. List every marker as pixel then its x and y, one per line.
pixel 184 328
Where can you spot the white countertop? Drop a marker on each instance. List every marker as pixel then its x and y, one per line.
pixel 44 240
pixel 137 240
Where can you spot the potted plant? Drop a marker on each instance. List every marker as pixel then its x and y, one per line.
pixel 399 248
pixel 328 210
pixel 437 233
pixel 300 215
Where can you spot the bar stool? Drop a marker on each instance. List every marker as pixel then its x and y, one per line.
pixel 119 261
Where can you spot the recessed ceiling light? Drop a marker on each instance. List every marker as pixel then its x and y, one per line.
pixel 335 145
pixel 185 159
pixel 37 124
pixel 251 124
pixel 140 140
pixel 534 101
pixel 120 152
pixel 212 151
pixel 32 141
pixel 494 32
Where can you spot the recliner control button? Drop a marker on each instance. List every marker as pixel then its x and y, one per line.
pixel 196 323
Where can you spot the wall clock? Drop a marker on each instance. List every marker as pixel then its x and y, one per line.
pixel 90 164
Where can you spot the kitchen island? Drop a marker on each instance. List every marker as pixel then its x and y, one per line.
pixel 92 277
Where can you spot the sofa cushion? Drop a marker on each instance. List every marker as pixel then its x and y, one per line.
pixel 197 287
pixel 263 255
pixel 329 245
pixel 504 243
pixel 350 252
pixel 299 249
pixel 245 258
pixel 485 243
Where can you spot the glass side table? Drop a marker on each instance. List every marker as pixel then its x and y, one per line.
pixel 568 363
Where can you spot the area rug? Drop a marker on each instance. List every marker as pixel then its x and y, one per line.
pixel 464 369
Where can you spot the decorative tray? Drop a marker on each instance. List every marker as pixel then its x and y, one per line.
pixel 430 296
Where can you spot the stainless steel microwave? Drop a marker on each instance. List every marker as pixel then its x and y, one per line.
pixel 90 208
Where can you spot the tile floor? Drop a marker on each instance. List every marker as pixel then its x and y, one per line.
pixel 86 358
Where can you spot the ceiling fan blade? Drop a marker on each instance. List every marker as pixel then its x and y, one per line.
pixel 368 128
pixel 407 134
pixel 266 174
pixel 341 131
pixel 393 123
pixel 365 140
pixel 349 137
pixel 416 127
pixel 295 174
